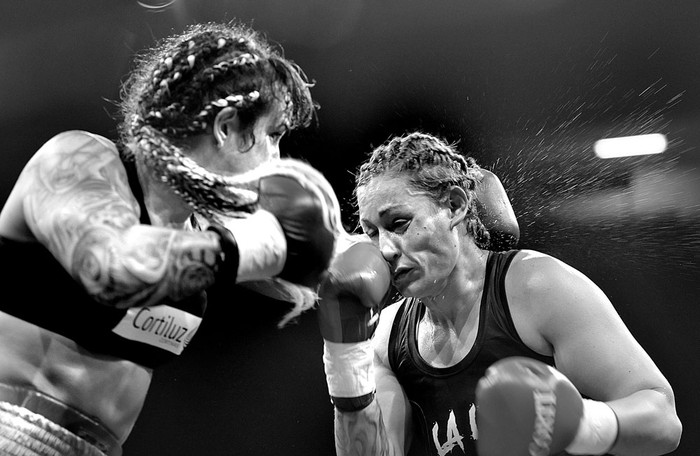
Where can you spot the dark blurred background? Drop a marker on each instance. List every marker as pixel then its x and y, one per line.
pixel 524 86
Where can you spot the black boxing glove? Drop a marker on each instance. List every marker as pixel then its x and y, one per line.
pixel 496 213
pixel 291 232
pixel 306 208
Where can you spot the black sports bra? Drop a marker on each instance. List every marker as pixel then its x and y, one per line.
pixel 47 296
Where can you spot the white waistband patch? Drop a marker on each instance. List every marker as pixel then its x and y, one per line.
pixel 162 326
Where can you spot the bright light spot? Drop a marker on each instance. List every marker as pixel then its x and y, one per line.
pixel 627 146
pixel 156 5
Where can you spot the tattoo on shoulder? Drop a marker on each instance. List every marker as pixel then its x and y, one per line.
pixel 76 185
pixel 80 205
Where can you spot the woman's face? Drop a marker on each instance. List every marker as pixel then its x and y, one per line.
pixel 413 233
pixel 240 153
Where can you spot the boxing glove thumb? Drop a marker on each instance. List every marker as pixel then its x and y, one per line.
pixel 525 408
pixel 354 288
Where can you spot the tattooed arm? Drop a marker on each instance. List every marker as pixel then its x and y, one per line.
pixel 383 427
pixel 76 200
pixel 380 429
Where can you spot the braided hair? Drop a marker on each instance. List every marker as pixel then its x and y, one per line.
pixel 430 165
pixel 177 88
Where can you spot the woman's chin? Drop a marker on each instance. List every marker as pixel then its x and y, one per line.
pixel 410 289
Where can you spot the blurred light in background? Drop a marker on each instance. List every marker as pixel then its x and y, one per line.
pixel 628 146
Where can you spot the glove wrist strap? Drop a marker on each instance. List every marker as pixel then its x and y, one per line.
pixel 352 404
pixel 597 431
pixel 262 247
pixel 349 371
pixel 228 264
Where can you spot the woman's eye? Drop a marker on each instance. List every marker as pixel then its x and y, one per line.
pixel 370 233
pixel 399 224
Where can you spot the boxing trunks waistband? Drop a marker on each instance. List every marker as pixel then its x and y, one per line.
pixel 71 419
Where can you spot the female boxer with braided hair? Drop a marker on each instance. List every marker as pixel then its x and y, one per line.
pixel 108 264
pixel 463 363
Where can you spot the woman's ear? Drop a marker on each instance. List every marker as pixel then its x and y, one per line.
pixel 458 203
pixel 226 123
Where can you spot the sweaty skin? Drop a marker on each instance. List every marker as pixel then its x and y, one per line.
pixel 73 192
pixel 557 311
pixel 76 199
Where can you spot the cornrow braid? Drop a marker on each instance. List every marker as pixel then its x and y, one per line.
pixel 180 85
pixel 431 165
pixel 211 194
pixel 238 101
pixel 177 89
pixel 176 105
pixel 206 192
pixel 188 58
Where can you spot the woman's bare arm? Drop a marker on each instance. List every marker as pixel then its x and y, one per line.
pixel 594 348
pixel 77 202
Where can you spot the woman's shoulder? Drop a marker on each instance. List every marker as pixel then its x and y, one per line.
pixel 534 269
pixel 529 282
pixel 73 149
pixel 540 286
pixel 77 140
pixel 536 280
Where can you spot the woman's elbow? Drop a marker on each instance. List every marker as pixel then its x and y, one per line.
pixel 669 435
pixel 672 433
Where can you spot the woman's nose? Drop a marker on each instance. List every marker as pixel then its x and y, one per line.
pixel 388 248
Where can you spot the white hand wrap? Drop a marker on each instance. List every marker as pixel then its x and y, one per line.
pixel 262 247
pixel 349 368
pixel 598 429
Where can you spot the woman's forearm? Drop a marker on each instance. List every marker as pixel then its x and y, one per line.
pixel 648 424
pixel 363 433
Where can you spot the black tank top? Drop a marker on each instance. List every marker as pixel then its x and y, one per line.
pixel 442 399
pixel 47 296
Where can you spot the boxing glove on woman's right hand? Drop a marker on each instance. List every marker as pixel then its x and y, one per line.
pixel 306 214
pixel 293 231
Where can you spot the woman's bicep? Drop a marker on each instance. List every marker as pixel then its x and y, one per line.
pixel 591 343
pixel 77 202
pixel 598 353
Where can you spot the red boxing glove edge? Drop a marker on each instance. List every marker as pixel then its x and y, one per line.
pixel 356 285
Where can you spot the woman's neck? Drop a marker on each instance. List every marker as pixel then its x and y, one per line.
pixel 450 325
pixel 165 208
pixel 463 291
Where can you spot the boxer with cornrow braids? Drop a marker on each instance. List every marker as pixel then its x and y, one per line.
pixel 111 247
pixel 432 166
pixel 178 89
pixel 493 351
